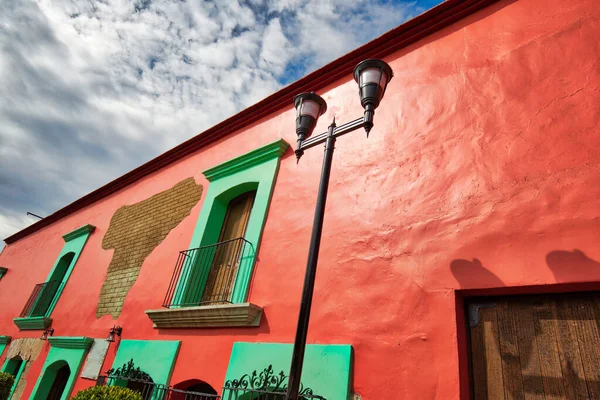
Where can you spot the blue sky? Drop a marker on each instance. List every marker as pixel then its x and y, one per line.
pixel 93 88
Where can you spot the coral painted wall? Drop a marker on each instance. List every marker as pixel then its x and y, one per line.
pixel 481 175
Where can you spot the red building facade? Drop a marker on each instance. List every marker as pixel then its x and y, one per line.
pixel 464 219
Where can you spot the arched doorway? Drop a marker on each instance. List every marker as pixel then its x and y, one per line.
pixel 195 386
pixel 15 367
pixel 54 381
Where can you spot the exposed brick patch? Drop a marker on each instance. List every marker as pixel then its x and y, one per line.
pixel 134 232
pixel 28 349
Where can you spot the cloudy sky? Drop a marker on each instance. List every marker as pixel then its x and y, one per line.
pixel 90 89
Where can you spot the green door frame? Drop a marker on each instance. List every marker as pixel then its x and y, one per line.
pixel 69 350
pixel 17 375
pixel 255 170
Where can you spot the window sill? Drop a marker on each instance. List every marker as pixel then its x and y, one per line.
pixel 213 316
pixel 33 323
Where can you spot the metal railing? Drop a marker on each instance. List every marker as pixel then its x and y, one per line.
pixel 206 275
pixel 154 391
pixel 264 385
pixel 40 299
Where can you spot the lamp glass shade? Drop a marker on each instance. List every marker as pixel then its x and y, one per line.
pixel 309 107
pixel 373 75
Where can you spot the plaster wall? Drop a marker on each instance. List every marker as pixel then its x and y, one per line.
pixel 481 175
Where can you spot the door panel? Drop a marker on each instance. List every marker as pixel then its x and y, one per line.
pixel 223 270
pixel 537 348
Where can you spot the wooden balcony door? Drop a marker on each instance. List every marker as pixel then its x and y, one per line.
pixel 224 267
pixel 536 347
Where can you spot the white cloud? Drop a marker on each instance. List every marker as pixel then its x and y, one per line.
pixel 93 88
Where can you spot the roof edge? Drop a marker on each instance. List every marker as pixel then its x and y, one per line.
pixel 402 36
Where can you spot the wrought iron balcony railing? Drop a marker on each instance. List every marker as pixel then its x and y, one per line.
pixel 41 299
pixel 206 275
pixel 154 391
pixel 264 385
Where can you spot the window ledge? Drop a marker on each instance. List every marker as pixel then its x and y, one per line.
pixel 33 323
pixel 212 316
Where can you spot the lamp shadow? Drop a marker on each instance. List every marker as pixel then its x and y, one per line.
pixel 473 275
pixel 572 266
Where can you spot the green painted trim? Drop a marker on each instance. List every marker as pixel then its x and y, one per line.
pixel 154 357
pixel 17 376
pixel 327 368
pixel 4 341
pixel 70 342
pixel 58 356
pixel 256 170
pixel 3 271
pixel 74 244
pixel 84 230
pixel 245 161
pixel 33 323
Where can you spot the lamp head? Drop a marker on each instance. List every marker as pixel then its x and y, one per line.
pixel 309 107
pixel 372 76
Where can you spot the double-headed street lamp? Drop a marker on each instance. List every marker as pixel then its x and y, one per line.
pixel 372 77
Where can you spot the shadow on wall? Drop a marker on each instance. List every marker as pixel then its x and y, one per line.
pixel 572 266
pixel 472 274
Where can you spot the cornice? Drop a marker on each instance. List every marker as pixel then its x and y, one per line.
pixel 32 323
pixel 245 161
pixel 5 339
pixel 67 342
pixel 84 230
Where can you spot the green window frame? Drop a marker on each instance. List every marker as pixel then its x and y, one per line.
pixel 256 170
pixel 46 298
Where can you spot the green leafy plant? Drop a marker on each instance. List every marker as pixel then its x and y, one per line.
pixel 6 382
pixel 107 393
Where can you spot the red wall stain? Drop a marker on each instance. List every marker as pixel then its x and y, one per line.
pixel 482 174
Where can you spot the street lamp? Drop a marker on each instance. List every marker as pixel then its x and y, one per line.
pixel 372 77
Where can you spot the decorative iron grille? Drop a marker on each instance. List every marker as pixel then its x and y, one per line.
pixel 265 385
pixel 154 391
pixel 40 299
pixel 206 275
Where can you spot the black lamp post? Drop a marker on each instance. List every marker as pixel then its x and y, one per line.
pixel 372 77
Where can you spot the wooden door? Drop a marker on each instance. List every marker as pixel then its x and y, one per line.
pixel 536 347
pixel 227 253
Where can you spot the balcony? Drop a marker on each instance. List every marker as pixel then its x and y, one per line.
pixel 201 289
pixel 34 314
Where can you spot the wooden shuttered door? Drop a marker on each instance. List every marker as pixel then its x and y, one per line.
pixel 223 270
pixel 536 347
